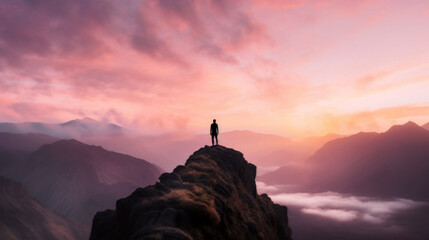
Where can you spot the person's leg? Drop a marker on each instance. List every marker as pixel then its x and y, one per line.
pixel 212 140
pixel 216 139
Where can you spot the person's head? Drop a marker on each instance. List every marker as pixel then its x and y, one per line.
pixel 214 120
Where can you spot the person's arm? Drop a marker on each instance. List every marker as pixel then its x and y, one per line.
pixel 217 130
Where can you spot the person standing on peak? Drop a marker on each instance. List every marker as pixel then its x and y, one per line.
pixel 214 131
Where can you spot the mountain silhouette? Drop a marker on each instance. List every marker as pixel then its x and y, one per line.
pixel 14 148
pixel 87 124
pixel 293 174
pixel 24 142
pixel 77 128
pixel 426 126
pixel 213 196
pixel 390 164
pixel 22 217
pixel 77 180
pixel 318 141
pixel 264 150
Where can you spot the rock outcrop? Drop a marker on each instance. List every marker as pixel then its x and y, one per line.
pixel 213 196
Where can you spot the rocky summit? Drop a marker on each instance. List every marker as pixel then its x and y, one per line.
pixel 213 196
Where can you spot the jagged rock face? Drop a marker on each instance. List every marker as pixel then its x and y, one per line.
pixel 212 197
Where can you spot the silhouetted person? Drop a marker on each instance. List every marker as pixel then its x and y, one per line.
pixel 214 131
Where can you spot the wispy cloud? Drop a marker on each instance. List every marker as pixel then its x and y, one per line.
pixel 262 187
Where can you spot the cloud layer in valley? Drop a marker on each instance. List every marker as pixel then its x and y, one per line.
pixel 342 207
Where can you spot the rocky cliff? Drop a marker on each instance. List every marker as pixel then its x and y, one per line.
pixel 213 196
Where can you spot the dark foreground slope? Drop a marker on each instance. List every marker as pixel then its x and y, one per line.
pixel 22 217
pixel 212 197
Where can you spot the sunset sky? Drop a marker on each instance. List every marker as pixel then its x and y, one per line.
pixel 290 67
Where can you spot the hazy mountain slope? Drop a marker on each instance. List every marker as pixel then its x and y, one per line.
pixel 23 218
pixel 390 164
pixel 318 141
pixel 264 150
pixel 24 142
pixel 426 126
pixel 78 180
pixel 78 128
pixel 286 175
pixel 14 148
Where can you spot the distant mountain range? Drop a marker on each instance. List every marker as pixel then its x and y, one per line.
pixel 16 147
pixel 390 164
pixel 24 142
pixel 426 126
pixel 73 178
pixel 23 217
pixel 76 180
pixel 380 166
pixel 264 150
pixel 85 127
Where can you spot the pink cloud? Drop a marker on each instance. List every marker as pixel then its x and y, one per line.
pixel 285 67
pixel 216 29
pixel 44 28
pixel 282 4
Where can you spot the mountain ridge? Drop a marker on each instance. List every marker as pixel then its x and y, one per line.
pixel 389 164
pixel 77 179
pixel 426 126
pixel 265 150
pixel 24 142
pixel 83 128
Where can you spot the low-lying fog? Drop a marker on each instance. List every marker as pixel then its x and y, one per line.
pixel 322 214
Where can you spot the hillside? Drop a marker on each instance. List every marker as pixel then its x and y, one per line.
pixel 23 142
pixel 76 179
pixel 22 217
pixel 390 164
